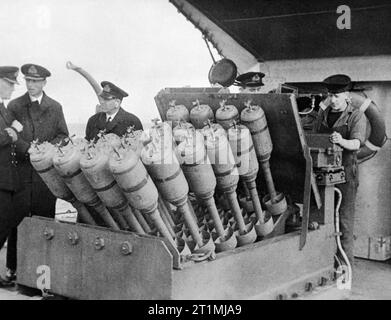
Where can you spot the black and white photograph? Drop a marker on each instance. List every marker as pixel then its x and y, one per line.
pixel 195 154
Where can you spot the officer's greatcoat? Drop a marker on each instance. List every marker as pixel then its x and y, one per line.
pixel 45 122
pixel 10 213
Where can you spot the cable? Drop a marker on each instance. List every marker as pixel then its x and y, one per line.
pixel 210 51
pixel 306 112
pixel 312 107
pixel 348 281
pixel 338 260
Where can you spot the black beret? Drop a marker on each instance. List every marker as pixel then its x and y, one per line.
pixel 338 83
pixel 111 91
pixel 250 79
pixel 35 72
pixel 9 73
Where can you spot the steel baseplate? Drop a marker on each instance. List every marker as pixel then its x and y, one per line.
pixel 274 268
pixel 84 262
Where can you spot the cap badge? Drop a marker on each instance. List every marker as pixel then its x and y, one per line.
pixel 256 78
pixel 16 74
pixel 32 70
pixel 106 88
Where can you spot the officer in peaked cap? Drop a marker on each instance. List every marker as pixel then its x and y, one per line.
pixel 346 124
pixel 250 80
pixel 9 74
pixel 35 72
pixel 110 91
pixel 10 129
pixel 43 119
pixel 112 118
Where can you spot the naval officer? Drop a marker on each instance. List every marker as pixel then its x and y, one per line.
pixel 112 118
pixel 250 82
pixel 10 129
pixel 43 119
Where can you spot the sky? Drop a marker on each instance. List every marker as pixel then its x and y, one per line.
pixel 142 46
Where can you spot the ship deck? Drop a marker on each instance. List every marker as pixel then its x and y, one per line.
pixel 371 281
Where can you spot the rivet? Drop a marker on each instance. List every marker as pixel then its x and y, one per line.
pixel 48 233
pixel 73 238
pixel 323 281
pixel 126 248
pixel 282 296
pixel 308 287
pixel 99 243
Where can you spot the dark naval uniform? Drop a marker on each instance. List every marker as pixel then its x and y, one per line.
pixel 9 178
pixel 11 214
pixel 121 121
pixel 351 124
pixel 43 121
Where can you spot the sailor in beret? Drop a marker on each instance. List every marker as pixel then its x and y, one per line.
pixel 338 83
pixel 43 119
pixel 10 130
pixel 346 125
pixel 112 118
pixel 250 81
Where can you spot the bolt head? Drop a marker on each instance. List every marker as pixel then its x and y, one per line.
pixel 73 238
pixel 48 233
pixel 308 286
pixel 323 281
pixel 126 248
pixel 282 296
pixel 99 243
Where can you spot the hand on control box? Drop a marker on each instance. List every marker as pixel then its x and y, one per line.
pixel 325 103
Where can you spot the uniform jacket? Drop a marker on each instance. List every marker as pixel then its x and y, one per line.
pixel 44 122
pixel 121 122
pixel 9 178
pixel 351 125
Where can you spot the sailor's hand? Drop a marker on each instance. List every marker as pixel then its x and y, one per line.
pixel 17 125
pixel 12 134
pixel 336 137
pixel 325 103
